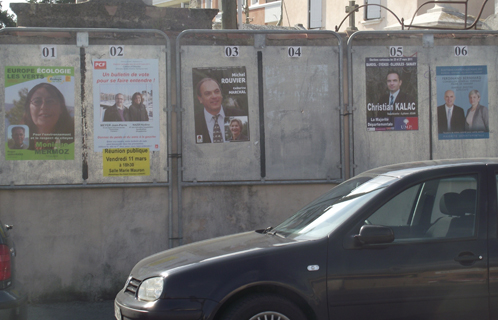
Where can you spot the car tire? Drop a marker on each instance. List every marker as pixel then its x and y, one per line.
pixel 263 306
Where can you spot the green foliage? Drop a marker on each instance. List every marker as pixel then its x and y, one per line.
pixel 9 20
pixel 15 114
pixel 6 19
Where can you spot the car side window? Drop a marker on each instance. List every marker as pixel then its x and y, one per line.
pixel 397 211
pixel 437 208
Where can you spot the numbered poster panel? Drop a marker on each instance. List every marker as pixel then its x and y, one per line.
pixel 391 93
pixel 220 105
pixel 462 99
pixel 39 113
pixel 126 104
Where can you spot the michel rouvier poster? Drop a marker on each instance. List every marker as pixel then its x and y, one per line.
pixel 392 96
pixel 220 105
pixel 39 113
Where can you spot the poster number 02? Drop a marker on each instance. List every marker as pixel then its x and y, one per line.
pixel 117 51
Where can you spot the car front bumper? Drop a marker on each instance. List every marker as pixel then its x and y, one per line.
pixel 128 308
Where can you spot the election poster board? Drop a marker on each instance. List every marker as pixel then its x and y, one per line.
pixel 392 94
pixel 463 92
pixel 220 105
pixel 39 113
pixel 126 104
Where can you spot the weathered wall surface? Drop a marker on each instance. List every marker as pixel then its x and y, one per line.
pixel 130 14
pixel 212 212
pixel 80 244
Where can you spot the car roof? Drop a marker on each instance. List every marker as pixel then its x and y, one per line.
pixel 403 169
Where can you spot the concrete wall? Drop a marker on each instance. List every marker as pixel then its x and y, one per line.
pixel 80 244
pixel 112 14
pixel 212 212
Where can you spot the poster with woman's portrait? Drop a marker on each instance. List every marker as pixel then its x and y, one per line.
pixel 220 104
pixel 39 113
pixel 462 100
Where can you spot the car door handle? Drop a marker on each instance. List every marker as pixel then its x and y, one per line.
pixel 467 258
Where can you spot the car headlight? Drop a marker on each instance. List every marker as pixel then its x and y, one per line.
pixel 151 289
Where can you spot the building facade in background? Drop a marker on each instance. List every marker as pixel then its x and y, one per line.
pixel 328 14
pixel 260 12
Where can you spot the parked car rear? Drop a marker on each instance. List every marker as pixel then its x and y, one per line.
pixel 12 297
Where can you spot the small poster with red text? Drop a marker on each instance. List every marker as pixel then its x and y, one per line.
pixel 126 104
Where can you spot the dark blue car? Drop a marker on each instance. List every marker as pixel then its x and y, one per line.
pixel 407 241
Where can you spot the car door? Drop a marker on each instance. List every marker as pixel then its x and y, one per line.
pixel 493 240
pixel 436 267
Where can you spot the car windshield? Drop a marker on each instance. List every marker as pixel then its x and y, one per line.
pixel 325 214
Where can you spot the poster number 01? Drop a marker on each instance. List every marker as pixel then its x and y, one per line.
pixel 48 52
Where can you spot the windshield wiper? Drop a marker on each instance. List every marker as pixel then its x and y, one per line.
pixel 267 230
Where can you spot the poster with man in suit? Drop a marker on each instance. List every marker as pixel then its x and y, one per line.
pixel 391 93
pixel 462 102
pixel 220 105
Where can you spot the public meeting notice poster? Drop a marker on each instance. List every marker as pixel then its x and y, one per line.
pixel 39 113
pixel 126 104
pixel 391 95
pixel 220 105
pixel 462 100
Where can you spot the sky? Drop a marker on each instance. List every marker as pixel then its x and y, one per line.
pixel 6 3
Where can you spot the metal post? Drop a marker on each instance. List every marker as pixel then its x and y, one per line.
pixel 229 15
pixel 240 7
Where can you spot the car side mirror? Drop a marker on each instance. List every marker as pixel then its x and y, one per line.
pixel 374 234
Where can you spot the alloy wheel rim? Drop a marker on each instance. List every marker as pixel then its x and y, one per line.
pixel 269 315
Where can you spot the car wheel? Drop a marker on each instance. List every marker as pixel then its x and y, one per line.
pixel 263 307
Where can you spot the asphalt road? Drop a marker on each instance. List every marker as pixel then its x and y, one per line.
pixel 103 310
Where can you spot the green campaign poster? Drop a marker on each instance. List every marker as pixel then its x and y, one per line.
pixel 39 113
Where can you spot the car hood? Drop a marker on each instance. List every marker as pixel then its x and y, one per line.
pixel 172 260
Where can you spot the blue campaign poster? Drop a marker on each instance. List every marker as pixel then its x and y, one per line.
pixel 462 102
